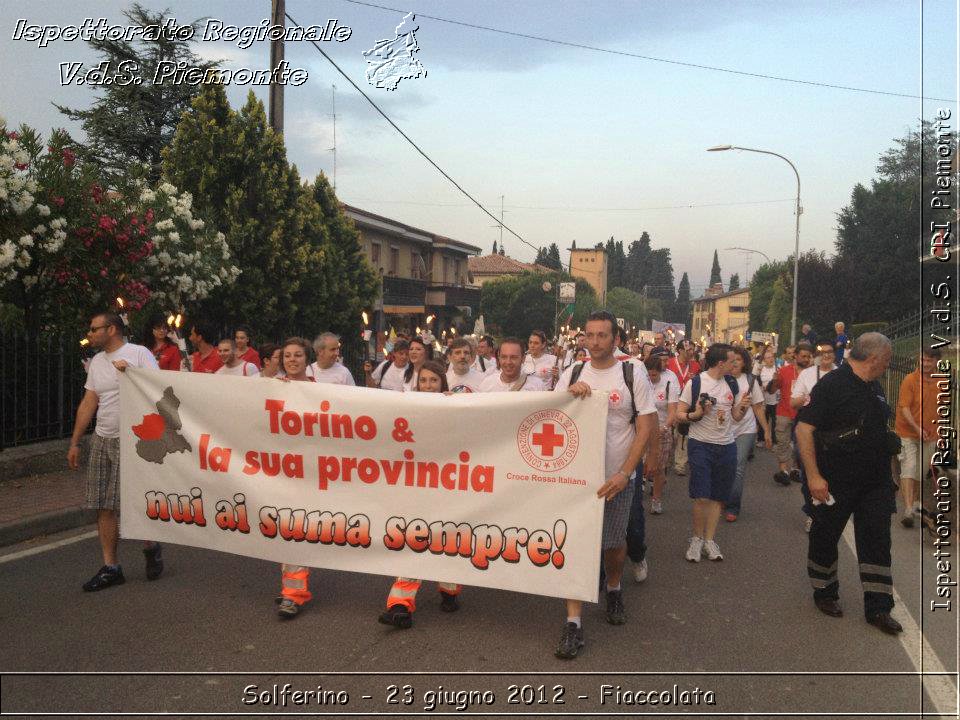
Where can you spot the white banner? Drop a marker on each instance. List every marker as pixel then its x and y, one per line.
pixel 495 490
pixel 677 330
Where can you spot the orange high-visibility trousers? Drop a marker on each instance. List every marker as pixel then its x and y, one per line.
pixel 404 592
pixel 293 583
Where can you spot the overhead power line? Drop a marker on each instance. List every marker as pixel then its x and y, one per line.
pixel 624 53
pixel 581 208
pixel 409 140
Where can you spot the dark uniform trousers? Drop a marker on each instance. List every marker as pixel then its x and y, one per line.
pixel 871 505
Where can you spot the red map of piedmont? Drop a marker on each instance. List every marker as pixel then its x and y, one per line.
pixel 159 432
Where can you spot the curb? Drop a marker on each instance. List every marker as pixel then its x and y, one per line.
pixel 45 524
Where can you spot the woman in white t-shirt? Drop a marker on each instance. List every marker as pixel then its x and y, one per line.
pixel 666 393
pixel 419 353
pixel 745 430
pixel 765 371
pixel 538 361
pixel 402 598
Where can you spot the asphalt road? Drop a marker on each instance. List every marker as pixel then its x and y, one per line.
pixel 745 629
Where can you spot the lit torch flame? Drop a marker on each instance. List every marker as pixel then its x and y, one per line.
pixel 176 323
pixel 365 318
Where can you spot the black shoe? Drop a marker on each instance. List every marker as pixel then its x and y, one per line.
pixel 105 577
pixel 829 606
pixel 448 602
pixel 154 561
pixel 795 475
pixel 571 640
pixel 616 614
pixel 398 616
pixel 885 623
pixel 782 478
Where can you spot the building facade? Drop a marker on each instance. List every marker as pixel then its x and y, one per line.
pixel 591 265
pixel 485 268
pixel 720 316
pixel 423 275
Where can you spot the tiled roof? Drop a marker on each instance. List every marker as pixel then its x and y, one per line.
pixel 501 265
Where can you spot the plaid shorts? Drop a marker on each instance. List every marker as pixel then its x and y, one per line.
pixel 103 474
pixel 616 515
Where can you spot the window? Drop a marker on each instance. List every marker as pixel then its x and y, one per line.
pixel 446 270
pixel 375 253
pixel 738 309
pixel 415 261
pixel 394 261
pixel 456 273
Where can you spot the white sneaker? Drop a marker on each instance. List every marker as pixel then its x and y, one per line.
pixel 696 547
pixel 711 551
pixel 656 506
pixel 640 571
pixel 807 524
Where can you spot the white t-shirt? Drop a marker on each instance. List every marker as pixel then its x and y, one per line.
pixel 766 375
pixel 808 377
pixel 493 383
pixel 411 384
pixel 392 376
pixel 336 374
pixel 620 431
pixel 242 368
pixel 104 379
pixel 666 391
pixel 717 425
pixel 749 422
pixel 470 382
pixel 542 366
pixel 490 366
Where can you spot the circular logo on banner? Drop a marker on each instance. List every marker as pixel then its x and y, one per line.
pixel 548 440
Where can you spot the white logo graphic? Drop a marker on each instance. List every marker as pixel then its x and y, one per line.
pixel 393 60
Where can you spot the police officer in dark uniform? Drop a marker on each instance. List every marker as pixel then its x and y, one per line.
pixel 846 447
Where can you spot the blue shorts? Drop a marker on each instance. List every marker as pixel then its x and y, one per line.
pixel 712 469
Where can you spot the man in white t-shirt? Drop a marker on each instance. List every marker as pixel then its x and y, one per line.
pixel 538 361
pixel 388 375
pixel 800 392
pixel 631 423
pixel 326 369
pixel 510 378
pixel 461 377
pixel 102 397
pixel 232 365
pixel 486 362
pixel 711 449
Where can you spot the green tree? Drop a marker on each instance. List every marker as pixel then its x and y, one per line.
pixel 683 306
pixel 734 283
pixel 516 305
pixel 715 271
pixel 638 255
pixel 660 279
pixel 553 257
pixel 494 251
pixel 779 311
pixel 633 307
pixel 761 291
pixel 132 123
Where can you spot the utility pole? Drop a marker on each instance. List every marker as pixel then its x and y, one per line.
pixel 277 17
pixel 334 148
pixel 501 222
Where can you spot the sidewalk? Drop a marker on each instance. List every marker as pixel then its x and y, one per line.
pixel 42 504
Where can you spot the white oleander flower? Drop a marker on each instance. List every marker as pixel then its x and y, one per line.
pixel 43 210
pixel 26 241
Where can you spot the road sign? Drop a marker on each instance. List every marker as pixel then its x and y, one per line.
pixel 568 291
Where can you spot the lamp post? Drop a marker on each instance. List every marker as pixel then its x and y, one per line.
pixel 796 251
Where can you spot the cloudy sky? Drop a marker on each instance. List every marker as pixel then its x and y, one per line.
pixel 582 144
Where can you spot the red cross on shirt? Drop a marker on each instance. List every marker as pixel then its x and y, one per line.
pixel 548 440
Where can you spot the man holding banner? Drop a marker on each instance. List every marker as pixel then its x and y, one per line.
pixel 631 420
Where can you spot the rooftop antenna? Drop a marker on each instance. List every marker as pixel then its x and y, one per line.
pixel 333 94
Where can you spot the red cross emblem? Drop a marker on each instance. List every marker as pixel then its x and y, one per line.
pixel 729 397
pixel 614 398
pixel 660 396
pixel 548 440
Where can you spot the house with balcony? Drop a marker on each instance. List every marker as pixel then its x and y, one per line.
pixel 720 316
pixel 423 274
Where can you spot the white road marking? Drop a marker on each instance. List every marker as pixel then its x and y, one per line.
pixel 940 688
pixel 48 546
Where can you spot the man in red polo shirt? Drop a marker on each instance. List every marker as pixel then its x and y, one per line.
pixel 684 367
pixel 783 381
pixel 206 359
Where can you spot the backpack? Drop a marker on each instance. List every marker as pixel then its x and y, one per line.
pixel 627 379
pixel 382 367
pixel 483 367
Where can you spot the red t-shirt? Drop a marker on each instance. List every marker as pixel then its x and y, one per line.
pixel 788 373
pixel 209 364
pixel 169 357
pixel 252 356
pixel 691 368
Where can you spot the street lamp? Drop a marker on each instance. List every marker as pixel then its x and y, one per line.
pixel 796 251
